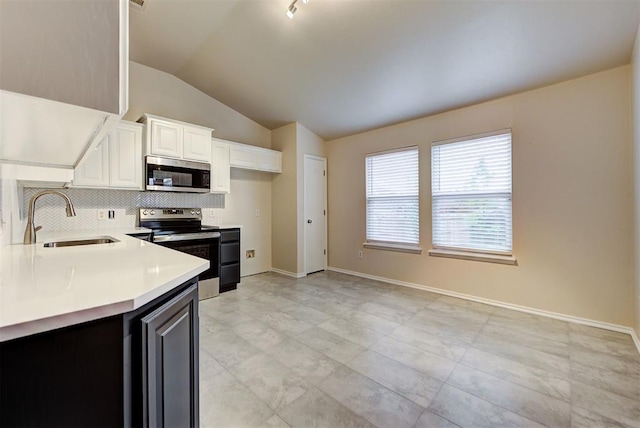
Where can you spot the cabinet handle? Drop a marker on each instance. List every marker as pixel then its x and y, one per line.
pixel 309 221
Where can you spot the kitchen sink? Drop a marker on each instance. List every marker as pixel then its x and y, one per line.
pixel 87 241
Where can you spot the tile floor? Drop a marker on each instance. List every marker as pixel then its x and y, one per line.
pixel 333 350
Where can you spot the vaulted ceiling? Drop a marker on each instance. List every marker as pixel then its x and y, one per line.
pixel 341 67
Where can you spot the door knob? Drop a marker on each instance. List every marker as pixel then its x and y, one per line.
pixel 309 221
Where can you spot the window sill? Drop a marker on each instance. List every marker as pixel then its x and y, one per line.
pixel 477 257
pixel 412 249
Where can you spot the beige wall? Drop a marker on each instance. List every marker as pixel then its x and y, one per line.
pixel 284 201
pixel 62 50
pixel 572 193
pixel 635 109
pixel 157 92
pixel 294 140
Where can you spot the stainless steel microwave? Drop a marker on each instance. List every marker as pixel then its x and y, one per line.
pixel 175 175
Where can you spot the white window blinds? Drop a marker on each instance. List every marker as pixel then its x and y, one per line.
pixel 392 197
pixel 471 194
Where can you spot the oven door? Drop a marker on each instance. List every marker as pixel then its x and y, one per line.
pixel 205 245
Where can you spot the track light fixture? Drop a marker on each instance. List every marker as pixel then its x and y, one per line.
pixel 293 9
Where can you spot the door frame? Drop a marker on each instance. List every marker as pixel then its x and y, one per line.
pixel 304 209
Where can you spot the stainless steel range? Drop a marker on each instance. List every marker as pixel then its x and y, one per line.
pixel 181 229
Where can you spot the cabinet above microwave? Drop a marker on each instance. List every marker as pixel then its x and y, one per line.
pixel 175 139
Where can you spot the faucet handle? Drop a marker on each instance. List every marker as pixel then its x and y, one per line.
pixel 38 228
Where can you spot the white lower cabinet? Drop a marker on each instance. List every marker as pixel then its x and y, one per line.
pixel 220 167
pixel 116 162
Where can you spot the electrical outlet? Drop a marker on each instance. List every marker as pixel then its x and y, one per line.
pixel 257 213
pixel 102 214
pixel 251 254
pixel 360 255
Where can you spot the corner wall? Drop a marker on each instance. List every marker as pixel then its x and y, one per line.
pixel 288 244
pixel 572 200
pixel 284 202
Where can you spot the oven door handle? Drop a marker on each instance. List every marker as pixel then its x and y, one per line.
pixel 186 237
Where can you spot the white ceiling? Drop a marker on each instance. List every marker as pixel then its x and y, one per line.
pixel 345 66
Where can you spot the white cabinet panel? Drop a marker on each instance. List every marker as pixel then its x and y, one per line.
pixel 166 139
pixel 94 171
pixel 243 156
pixel 270 160
pixel 175 139
pixel 256 158
pixel 220 167
pixel 197 144
pixel 125 156
pixel 116 162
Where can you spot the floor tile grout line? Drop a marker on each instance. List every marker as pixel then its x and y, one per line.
pixel 472 344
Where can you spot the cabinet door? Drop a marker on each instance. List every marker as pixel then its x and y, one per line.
pixel 270 160
pixel 197 144
pixel 220 168
pixel 170 362
pixel 242 156
pixel 166 139
pixel 94 171
pixel 125 156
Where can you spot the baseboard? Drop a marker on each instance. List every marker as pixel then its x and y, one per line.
pixel 287 273
pixel 635 338
pixel 555 315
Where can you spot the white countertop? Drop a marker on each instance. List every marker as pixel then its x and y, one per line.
pixel 42 289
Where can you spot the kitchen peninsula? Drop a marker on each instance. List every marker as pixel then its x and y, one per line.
pixel 88 333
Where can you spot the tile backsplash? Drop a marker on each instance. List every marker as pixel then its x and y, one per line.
pixel 50 209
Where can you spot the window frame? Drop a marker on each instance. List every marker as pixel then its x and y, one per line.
pixel 486 254
pixel 385 244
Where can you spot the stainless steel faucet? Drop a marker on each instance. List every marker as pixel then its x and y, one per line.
pixel 30 231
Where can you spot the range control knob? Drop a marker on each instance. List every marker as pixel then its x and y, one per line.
pixel 152 212
pixel 193 212
pixel 145 212
pixel 198 212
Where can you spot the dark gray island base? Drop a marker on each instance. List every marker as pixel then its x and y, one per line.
pixel 134 369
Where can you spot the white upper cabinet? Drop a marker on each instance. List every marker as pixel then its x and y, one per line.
pixel 257 158
pixel 63 78
pixel 116 162
pixel 197 143
pixel 270 160
pixel 220 167
pixel 175 139
pixel 125 156
pixel 94 171
pixel 166 138
pixel 243 156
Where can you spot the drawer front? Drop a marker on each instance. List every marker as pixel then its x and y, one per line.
pixel 229 252
pixel 230 235
pixel 230 274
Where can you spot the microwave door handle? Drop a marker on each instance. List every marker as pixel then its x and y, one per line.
pixel 186 237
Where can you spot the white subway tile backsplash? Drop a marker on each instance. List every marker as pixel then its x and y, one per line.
pixel 50 210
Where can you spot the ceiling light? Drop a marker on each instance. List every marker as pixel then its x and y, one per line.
pixel 292 10
pixel 305 1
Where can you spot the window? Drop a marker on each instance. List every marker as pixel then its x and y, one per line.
pixel 471 194
pixel 392 197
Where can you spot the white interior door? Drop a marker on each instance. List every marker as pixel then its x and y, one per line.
pixel 315 213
